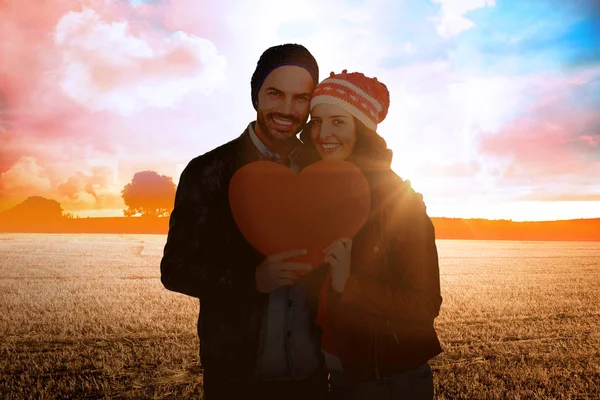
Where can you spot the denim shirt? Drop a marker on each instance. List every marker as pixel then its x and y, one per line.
pixel 288 348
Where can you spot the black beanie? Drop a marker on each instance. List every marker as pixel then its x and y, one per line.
pixel 276 56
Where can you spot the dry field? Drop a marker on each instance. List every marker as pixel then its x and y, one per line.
pixel 85 316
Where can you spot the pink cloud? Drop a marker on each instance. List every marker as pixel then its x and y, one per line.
pixel 26 176
pixel 55 45
pixel 67 71
pixel 81 190
pixel 105 66
pixel 532 145
pixel 550 150
pixel 205 20
pixel 552 125
pixel 84 190
pixel 591 140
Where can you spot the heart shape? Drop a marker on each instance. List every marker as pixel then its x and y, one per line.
pixel 278 210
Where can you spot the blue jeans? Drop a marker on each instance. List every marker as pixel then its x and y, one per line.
pixel 416 384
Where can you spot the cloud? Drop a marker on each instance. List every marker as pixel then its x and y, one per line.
pixel 105 67
pixel 524 37
pixel 519 134
pixel 552 143
pixel 452 21
pixel 94 189
pixel 591 140
pixel 139 82
pixel 533 147
pixel 71 76
pixel 26 176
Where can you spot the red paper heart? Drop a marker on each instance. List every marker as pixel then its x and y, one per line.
pixel 278 210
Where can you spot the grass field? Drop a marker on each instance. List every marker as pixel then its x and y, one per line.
pixel 85 316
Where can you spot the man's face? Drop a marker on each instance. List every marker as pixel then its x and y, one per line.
pixel 283 102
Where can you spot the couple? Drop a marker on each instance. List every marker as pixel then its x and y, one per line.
pixel 358 327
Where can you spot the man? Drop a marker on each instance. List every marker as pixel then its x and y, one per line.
pixel 256 330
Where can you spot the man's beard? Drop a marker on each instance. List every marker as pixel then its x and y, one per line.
pixel 274 134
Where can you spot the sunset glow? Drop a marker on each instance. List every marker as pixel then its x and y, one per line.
pixel 494 104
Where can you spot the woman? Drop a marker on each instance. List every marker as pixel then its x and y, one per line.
pixel 381 294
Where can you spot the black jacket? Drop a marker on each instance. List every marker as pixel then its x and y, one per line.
pixel 383 322
pixel 207 257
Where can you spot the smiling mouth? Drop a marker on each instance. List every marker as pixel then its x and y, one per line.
pixel 330 146
pixel 285 123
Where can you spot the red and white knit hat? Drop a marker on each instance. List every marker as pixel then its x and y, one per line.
pixel 365 98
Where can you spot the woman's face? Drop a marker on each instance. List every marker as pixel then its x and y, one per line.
pixel 333 131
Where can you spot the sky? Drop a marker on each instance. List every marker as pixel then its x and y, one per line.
pixel 493 114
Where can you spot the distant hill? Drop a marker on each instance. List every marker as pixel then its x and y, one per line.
pixel 35 206
pixel 483 229
pixel 446 228
pixel 34 211
pixel 41 215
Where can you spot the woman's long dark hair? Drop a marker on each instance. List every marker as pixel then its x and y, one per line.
pixel 370 152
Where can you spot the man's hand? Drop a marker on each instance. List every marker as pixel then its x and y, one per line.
pixel 338 255
pixel 275 271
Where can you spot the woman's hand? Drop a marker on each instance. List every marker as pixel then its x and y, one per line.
pixel 338 255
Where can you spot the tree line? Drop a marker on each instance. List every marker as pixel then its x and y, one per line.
pixel 148 195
